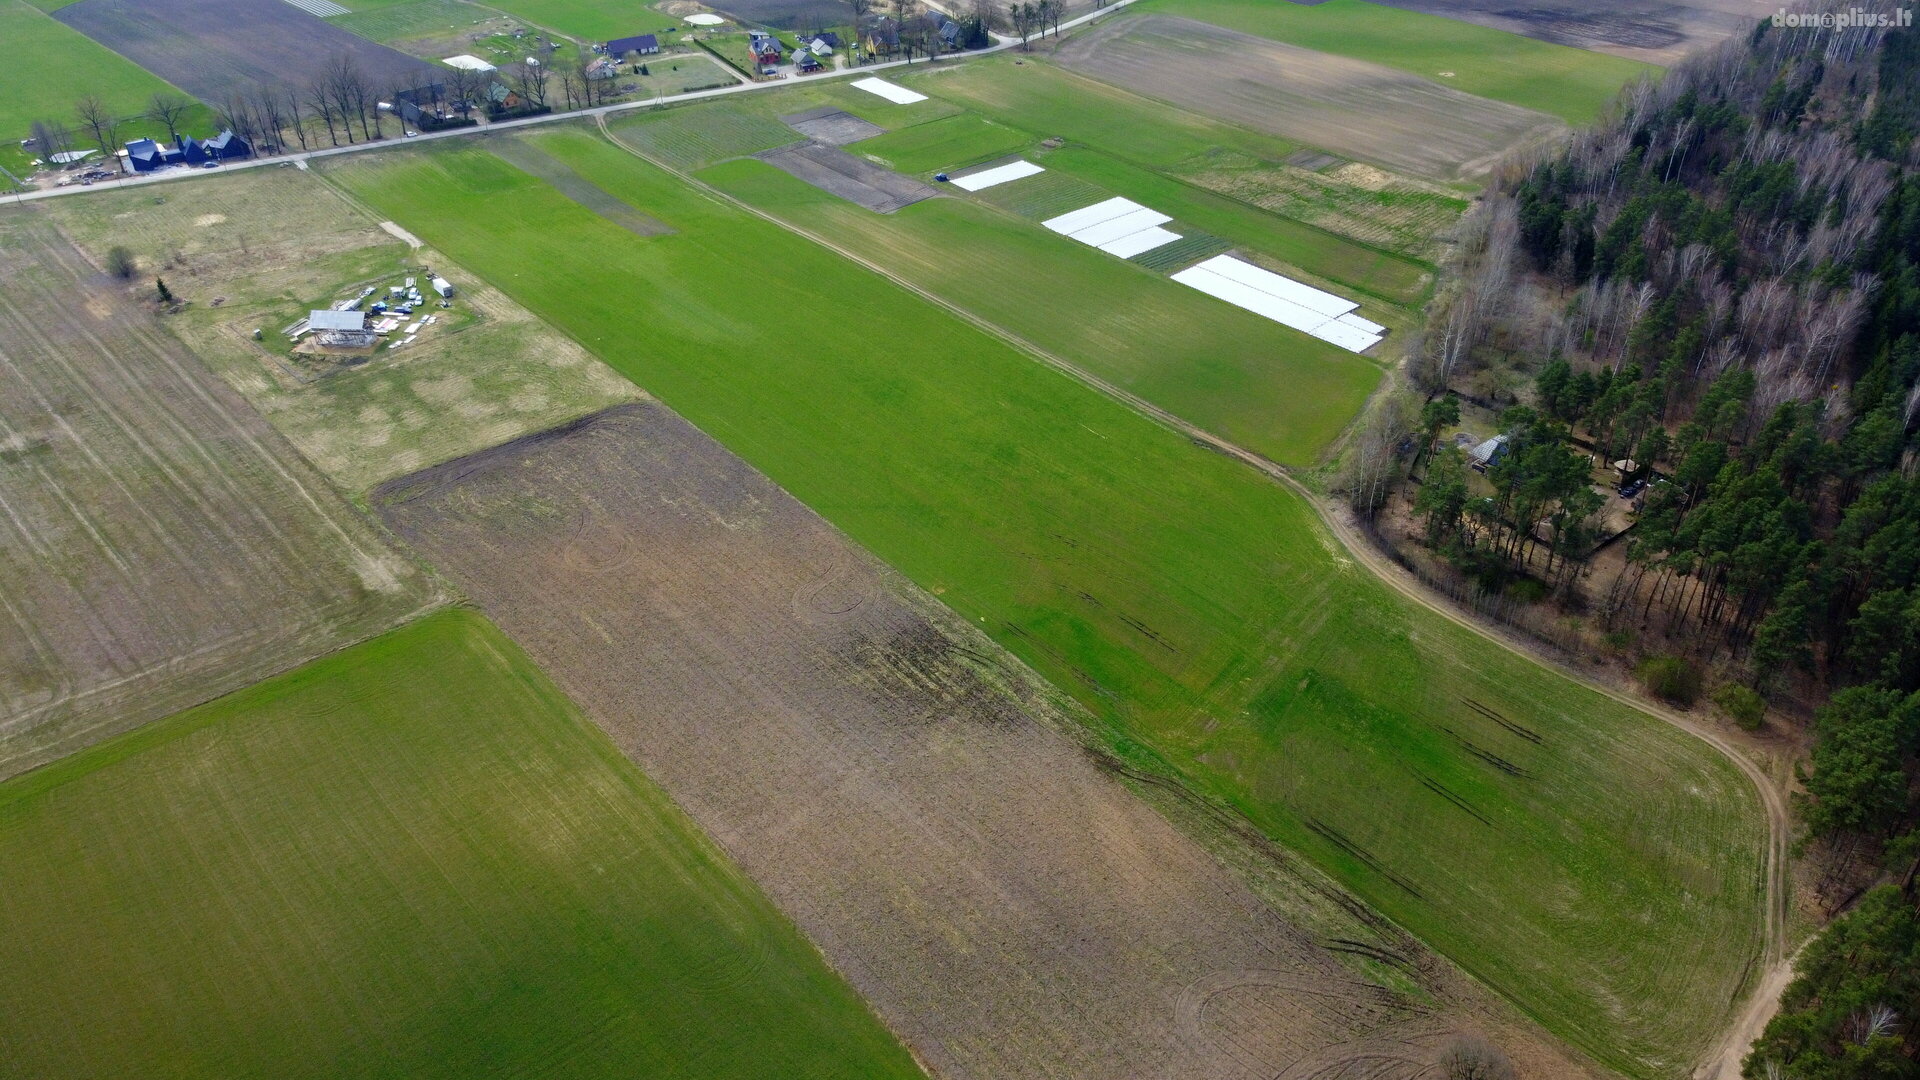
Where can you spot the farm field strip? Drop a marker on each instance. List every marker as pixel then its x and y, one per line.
pixel 1572 84
pixel 1199 612
pixel 1231 372
pixel 215 49
pixel 1120 143
pixel 892 779
pixel 410 858
pixel 1354 108
pixel 162 543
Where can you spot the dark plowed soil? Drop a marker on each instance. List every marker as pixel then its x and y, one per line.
pixel 215 49
pixel 854 179
pixel 898 784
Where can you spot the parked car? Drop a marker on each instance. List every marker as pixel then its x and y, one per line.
pixel 413 134
pixel 1632 489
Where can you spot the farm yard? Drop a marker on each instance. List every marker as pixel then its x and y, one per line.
pixel 214 49
pixel 162 544
pixel 268 245
pixel 1354 108
pixel 1198 611
pixel 1572 84
pixel 411 858
pixel 836 729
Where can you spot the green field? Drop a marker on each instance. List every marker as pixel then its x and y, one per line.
pixel 1597 866
pixel 1129 146
pixel 411 859
pixel 50 67
pixel 413 18
pixel 952 142
pixel 1570 83
pixel 1265 387
pixel 587 20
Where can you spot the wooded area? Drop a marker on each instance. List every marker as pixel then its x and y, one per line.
pixel 1718 292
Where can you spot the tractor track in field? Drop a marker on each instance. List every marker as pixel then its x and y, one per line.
pixel 1722 1062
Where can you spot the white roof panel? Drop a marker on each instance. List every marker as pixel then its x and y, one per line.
pixel 994 177
pixel 1284 312
pixel 899 95
pixel 1087 216
pixel 1283 287
pixel 1350 338
pixel 1134 243
pixel 1106 232
pixel 1364 326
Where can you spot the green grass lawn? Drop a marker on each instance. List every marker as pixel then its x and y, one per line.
pixel 413 858
pixel 1570 83
pixel 1266 387
pixel 50 67
pixel 1607 878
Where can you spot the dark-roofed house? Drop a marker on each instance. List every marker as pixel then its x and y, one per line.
pixel 421 106
pixel 191 151
pixel 766 48
pixel 227 146
pixel 640 44
pixel 949 33
pixel 806 60
pixel 883 36
pixel 145 155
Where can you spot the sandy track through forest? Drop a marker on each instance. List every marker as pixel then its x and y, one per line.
pixel 1723 1061
pixel 161 545
pixel 899 785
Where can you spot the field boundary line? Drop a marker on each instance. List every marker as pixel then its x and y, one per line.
pixel 1773 956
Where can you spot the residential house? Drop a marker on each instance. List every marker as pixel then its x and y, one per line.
pixel 949 33
pixel 806 61
pixel 883 36
pixel 227 146
pixel 638 45
pixel 766 48
pixel 829 38
pixel 145 155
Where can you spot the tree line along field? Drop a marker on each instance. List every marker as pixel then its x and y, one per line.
pixel 159 542
pixel 50 67
pixel 411 858
pixel 1196 609
pixel 1573 84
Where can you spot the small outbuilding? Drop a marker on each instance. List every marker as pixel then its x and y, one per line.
pixel 1488 454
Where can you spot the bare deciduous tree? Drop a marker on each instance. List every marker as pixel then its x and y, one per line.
pixel 167 109
pixel 101 124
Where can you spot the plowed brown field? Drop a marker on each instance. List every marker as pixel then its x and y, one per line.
pixel 898 784
pixel 159 543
